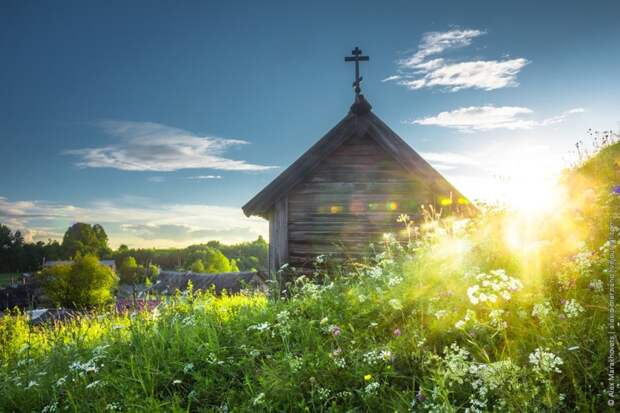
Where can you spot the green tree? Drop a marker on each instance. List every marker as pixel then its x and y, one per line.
pixel 82 284
pixel 129 270
pixel 198 266
pixel 233 266
pixel 216 262
pixel 85 239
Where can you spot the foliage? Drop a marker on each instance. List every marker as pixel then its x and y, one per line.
pixel 83 283
pixel 198 266
pixel 17 255
pixel 128 270
pixel 85 239
pixel 247 256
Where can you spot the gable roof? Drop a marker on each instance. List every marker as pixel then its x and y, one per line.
pixel 359 121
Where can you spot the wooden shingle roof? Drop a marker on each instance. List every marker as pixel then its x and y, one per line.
pixel 359 121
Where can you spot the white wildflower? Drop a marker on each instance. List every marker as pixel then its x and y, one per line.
pixel 375 357
pixel 541 311
pixel 259 327
pixel 371 388
pixel 572 308
pixel 545 361
pixel 395 304
pixel 440 314
pixel 188 368
pixel 596 285
pixel 50 408
pixel 394 281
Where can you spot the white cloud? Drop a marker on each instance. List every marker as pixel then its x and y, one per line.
pixel 484 118
pixel 421 71
pixel 483 74
pixel 436 42
pixel 203 177
pixel 136 222
pixel 146 146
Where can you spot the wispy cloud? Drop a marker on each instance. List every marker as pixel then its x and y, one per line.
pixel 136 222
pixel 484 118
pixel 434 43
pixel 424 69
pixel 203 177
pixel 145 146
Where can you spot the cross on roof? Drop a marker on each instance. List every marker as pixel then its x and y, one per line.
pixel 357 58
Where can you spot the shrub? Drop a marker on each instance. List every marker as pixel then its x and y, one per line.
pixel 84 283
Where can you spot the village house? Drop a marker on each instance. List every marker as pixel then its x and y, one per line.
pixel 168 282
pixel 348 189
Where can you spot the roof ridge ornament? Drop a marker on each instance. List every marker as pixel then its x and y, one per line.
pixel 360 106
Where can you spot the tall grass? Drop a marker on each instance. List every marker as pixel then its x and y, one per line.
pixel 498 313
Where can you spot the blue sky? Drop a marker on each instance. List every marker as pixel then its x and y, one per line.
pixel 160 119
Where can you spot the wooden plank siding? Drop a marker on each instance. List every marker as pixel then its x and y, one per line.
pixel 352 198
pixel 278 236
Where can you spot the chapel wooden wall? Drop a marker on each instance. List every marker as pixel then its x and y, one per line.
pixel 351 199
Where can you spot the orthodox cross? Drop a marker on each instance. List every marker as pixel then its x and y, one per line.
pixel 357 58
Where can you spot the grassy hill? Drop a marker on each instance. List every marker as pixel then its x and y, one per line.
pixel 499 313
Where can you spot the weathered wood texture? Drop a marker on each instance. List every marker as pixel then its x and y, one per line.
pixel 352 198
pixel 278 236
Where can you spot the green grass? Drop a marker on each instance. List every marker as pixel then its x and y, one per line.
pixel 408 330
pixel 500 313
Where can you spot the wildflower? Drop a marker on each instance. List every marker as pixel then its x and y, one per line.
pixel 596 285
pixel 31 384
pixel 371 388
pixel 545 361
pixel 374 357
pixel 420 396
pixel 320 259
pixel 375 272
pixel 362 298
pixel 490 285
pixel 496 319
pixel 541 311
pixel 335 330
pixel 113 407
pixel 396 332
pixel 61 381
pixel 188 368
pixel 395 304
pixel 394 281
pixel 177 381
pixel 441 314
pixel 323 393
pixel 368 377
pixel 50 408
pixel 259 327
pixel 572 308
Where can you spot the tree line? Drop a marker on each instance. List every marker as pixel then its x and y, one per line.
pixel 81 239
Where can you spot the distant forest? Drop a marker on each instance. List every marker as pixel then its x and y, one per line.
pixel 17 255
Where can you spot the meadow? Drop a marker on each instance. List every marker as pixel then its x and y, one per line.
pixel 502 312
